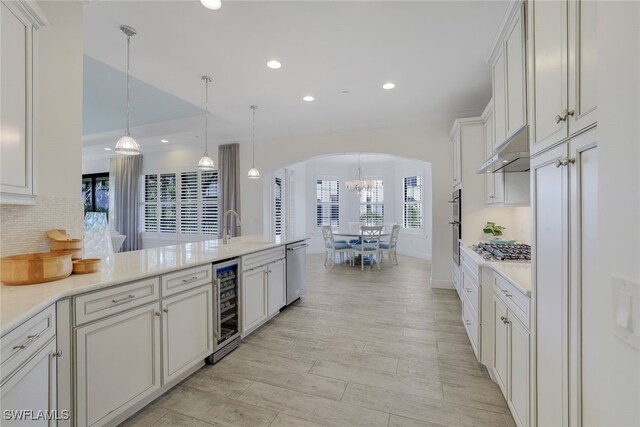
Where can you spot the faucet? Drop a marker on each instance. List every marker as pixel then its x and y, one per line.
pixel 225 234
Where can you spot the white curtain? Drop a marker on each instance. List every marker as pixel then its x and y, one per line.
pixel 124 192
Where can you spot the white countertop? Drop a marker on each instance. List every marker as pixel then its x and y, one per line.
pixel 18 303
pixel 516 272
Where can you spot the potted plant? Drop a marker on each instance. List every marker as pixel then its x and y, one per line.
pixel 495 232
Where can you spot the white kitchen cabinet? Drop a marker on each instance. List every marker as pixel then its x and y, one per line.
pixel 519 372
pixel 187 331
pixel 254 298
pixel 18 34
pixel 565 204
pixel 494 182
pixel 277 289
pixel 563 70
pixel 501 355
pixel 118 363
pixel 457 159
pixel 33 387
pixel 499 86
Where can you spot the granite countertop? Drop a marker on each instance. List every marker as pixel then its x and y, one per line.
pixel 517 273
pixel 18 303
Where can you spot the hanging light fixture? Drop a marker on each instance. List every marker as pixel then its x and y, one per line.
pixel 206 162
pixel 127 145
pixel 253 172
pixel 359 184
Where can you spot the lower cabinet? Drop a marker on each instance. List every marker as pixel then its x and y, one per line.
pixel 117 364
pixel 264 293
pixel 32 388
pixel 254 298
pixel 187 331
pixel 511 361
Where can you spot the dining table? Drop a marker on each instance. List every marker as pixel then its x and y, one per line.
pixel 352 236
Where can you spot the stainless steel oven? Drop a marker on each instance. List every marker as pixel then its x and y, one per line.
pixel 456 224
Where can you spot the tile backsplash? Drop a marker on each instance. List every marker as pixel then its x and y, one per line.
pixel 23 228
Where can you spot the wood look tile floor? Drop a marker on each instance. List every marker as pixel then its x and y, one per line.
pixel 372 348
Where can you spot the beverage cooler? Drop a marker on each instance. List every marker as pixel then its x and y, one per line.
pixel 226 317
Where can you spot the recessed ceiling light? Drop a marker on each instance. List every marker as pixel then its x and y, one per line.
pixel 212 4
pixel 308 98
pixel 273 64
pixel 107 149
pixel 164 140
pixel 345 92
pixel 388 86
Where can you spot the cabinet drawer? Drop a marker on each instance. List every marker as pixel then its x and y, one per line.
pixel 472 267
pixel 456 278
pixel 186 279
pixel 518 303
pixel 261 258
pixel 471 288
pixel 471 324
pixel 25 340
pixel 114 300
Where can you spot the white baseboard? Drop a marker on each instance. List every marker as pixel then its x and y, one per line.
pixel 442 284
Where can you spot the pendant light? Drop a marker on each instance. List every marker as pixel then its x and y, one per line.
pixel 206 162
pixel 253 172
pixel 359 184
pixel 211 4
pixel 127 145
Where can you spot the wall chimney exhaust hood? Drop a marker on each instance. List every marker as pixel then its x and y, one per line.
pixel 511 156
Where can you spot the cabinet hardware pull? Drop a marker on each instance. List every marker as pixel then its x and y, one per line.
pixel 570 160
pixel 468 291
pixel 508 295
pixel 56 354
pixel 503 318
pixel 166 310
pixel 157 313
pixel 560 163
pixel 468 323
pixel 560 118
pixel 128 297
pixel 570 112
pixel 27 342
pixel 190 280
pixel 218 318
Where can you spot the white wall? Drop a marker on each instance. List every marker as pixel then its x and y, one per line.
pixel 612 392
pixel 57 138
pixel 391 171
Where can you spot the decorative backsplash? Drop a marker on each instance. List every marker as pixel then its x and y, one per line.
pixel 23 228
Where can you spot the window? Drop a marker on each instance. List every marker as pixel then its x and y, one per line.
pixel 371 204
pixel 95 192
pixel 327 202
pixel 278 206
pixel 181 203
pixel 412 205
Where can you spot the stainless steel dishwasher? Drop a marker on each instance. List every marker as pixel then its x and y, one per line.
pixel 296 271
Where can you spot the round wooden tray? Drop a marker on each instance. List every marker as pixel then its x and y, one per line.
pixel 86 265
pixel 28 269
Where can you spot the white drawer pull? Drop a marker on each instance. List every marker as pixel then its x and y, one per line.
pixel 468 291
pixel 507 295
pixel 190 280
pixel 27 342
pixel 128 297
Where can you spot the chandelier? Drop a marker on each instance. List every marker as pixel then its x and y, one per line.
pixel 359 184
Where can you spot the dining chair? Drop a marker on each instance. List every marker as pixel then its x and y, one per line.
pixel 370 246
pixel 392 244
pixel 354 227
pixel 331 247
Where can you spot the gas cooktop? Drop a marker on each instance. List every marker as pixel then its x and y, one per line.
pixel 503 252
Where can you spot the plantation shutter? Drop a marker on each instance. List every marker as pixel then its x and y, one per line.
pixel 327 203
pixel 189 202
pixel 168 219
pixel 150 203
pixel 278 206
pixel 209 197
pixel 412 206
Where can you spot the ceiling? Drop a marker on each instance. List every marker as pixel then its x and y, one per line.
pixel 434 52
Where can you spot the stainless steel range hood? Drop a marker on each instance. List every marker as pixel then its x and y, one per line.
pixel 511 156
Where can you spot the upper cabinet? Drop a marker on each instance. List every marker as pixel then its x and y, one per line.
pixel 18 33
pixel 457 159
pixel 562 42
pixel 508 69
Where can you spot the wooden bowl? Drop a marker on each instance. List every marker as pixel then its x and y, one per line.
pixel 28 269
pixel 75 253
pixel 73 245
pixel 86 265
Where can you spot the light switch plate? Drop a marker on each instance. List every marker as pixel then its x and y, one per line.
pixel 626 310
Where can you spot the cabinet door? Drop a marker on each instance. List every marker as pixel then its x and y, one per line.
pixel 583 64
pixel 584 277
pixel 516 89
pixel 187 330
pixel 501 344
pixel 277 286
pixel 499 100
pixel 16 39
pixel 548 72
pixel 550 288
pixel 519 372
pixel 117 364
pixel 498 187
pixel 254 298
pixel 32 388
